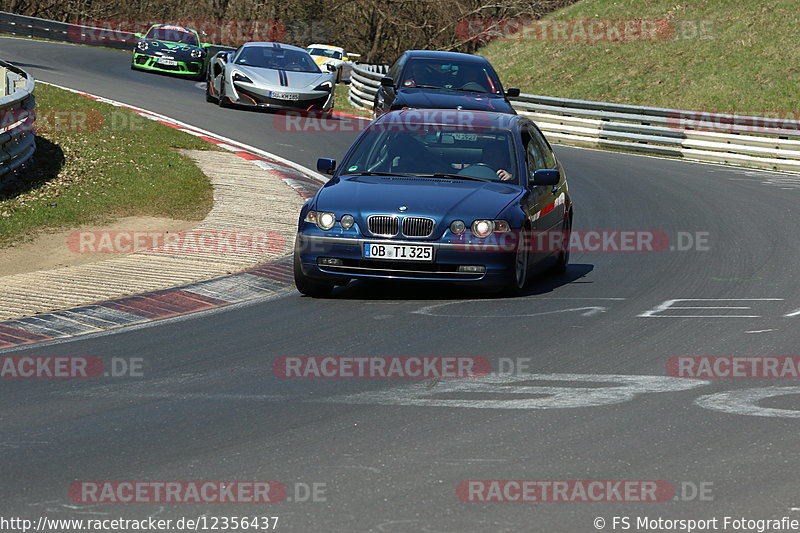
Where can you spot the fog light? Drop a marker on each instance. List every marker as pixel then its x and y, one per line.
pixel 329 261
pixel 472 269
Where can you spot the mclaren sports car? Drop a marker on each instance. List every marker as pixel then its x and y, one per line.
pixel 270 75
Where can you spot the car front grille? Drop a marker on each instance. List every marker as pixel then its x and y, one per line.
pixel 417 227
pixel 385 225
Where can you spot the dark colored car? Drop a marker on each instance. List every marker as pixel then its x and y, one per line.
pixel 437 195
pixel 442 80
pixel 171 49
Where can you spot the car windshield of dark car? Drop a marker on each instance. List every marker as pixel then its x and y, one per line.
pixel 173 35
pixel 276 58
pixel 467 76
pixel 324 52
pixel 433 151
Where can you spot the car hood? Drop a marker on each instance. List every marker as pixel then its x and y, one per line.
pixel 443 199
pixel 170 47
pixel 446 99
pixel 274 78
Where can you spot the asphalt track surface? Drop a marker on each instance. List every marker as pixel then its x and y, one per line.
pixel 210 408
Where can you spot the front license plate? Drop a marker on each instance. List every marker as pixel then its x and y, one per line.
pixel 169 62
pixel 402 252
pixel 285 96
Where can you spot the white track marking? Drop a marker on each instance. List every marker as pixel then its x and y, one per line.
pixel 668 305
pixel 745 402
pixel 517 394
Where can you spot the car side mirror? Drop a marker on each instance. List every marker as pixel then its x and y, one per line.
pixel 205 45
pixel 345 58
pixel 387 81
pixel 325 165
pixel 512 92
pixel 330 67
pixel 550 176
pixel 138 35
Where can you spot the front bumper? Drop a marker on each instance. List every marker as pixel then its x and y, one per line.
pixel 305 101
pixel 193 67
pixel 448 256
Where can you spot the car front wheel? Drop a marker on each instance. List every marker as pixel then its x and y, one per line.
pixel 518 277
pixel 308 286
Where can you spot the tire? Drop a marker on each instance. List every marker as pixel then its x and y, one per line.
pixel 562 263
pixel 222 99
pixel 518 279
pixel 308 286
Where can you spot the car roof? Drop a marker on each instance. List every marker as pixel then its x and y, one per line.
pixel 276 45
pixel 466 117
pixel 437 54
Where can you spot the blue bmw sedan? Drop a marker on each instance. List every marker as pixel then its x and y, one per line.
pixel 449 196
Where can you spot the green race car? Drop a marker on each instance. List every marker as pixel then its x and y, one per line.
pixel 171 49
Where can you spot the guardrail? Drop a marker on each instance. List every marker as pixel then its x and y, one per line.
pixel 756 142
pixel 16 117
pixel 25 26
pixel 364 83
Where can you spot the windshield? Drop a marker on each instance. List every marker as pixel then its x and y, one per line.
pixel 335 54
pixel 467 76
pixel 172 34
pixel 434 150
pixel 276 58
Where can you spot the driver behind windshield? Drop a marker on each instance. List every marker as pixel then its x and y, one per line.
pixel 495 156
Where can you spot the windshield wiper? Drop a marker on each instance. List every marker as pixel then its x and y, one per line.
pixel 469 90
pixel 441 175
pixel 371 173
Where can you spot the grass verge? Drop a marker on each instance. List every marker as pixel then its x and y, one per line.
pixel 343 105
pixel 94 163
pixel 729 56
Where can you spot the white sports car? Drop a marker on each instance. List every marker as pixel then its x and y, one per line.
pixel 324 54
pixel 270 75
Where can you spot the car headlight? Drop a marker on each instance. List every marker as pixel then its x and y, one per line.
pixel 142 45
pixel 347 221
pixel 322 219
pixel 458 227
pixel 197 53
pixel 484 228
pixel 238 76
pixel 324 86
